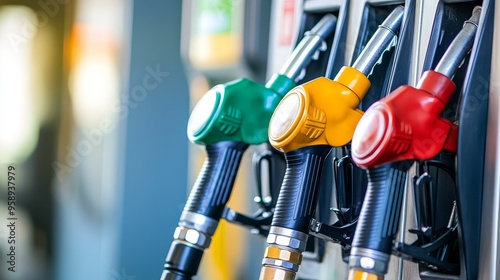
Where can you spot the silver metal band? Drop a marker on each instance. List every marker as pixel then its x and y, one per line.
pixel 288 238
pixel 289 232
pixel 198 222
pixel 369 260
pixel 192 237
pixel 280 264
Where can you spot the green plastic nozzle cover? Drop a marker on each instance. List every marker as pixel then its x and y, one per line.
pixel 242 111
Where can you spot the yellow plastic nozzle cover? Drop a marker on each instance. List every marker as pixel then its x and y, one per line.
pixel 327 112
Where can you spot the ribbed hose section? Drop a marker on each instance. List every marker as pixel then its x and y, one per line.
pixel 299 192
pixel 215 181
pixel 379 218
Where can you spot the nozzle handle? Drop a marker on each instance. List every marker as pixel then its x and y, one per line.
pixel 460 46
pixel 215 181
pixel 379 218
pixel 308 46
pixel 297 202
pixel 300 189
pixel 203 209
pixel 381 40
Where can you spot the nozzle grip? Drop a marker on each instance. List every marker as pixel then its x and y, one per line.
pixel 379 218
pixel 299 192
pixel 215 181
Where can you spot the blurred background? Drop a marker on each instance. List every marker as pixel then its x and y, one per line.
pixel 95 97
pixel 94 101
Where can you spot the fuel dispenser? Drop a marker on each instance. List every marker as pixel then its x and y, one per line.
pixel 425 138
pixel 409 125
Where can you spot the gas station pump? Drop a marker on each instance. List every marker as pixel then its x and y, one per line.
pixel 425 148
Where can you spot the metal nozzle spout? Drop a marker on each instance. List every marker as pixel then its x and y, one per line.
pixel 380 42
pixel 460 46
pixel 324 27
pixel 308 46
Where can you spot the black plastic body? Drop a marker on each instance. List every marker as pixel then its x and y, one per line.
pixel 299 193
pixel 276 166
pixel 350 183
pixel 257 21
pixel 379 219
pixel 215 181
pixel 182 262
pixel 472 133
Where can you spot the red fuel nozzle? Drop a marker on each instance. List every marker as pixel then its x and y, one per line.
pixel 407 124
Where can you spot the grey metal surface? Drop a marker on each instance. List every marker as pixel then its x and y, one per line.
pixel 460 46
pixel 380 42
pixel 199 222
pixel 313 41
pixel 322 5
pixel 289 238
pixel 280 263
pixel 489 260
pixel 289 232
pixel 376 262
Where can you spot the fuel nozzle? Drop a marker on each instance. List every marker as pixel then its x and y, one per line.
pixel 407 123
pixel 227 119
pixel 228 113
pixel 404 126
pixel 309 120
pixel 324 111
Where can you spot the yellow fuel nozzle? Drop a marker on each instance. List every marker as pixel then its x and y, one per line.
pixel 324 111
pixel 320 112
